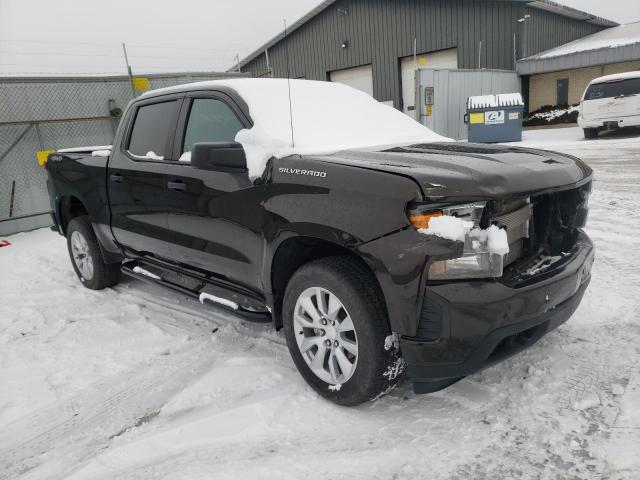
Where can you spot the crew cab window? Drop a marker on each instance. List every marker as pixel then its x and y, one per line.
pixel 151 129
pixel 210 120
pixel 630 86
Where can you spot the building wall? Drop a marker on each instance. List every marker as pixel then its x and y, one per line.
pixel 543 30
pixel 380 32
pixel 542 87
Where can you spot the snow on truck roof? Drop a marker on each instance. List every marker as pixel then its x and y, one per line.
pixel 327 118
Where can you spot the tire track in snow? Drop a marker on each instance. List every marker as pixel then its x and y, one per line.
pixel 60 436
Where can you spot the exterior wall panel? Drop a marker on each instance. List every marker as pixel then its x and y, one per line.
pixel 545 30
pixel 381 32
pixel 542 87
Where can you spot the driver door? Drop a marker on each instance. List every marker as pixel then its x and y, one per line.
pixel 215 219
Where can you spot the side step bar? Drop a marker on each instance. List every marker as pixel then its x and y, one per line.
pixel 206 290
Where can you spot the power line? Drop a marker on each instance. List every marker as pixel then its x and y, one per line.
pixel 114 45
pixel 8 52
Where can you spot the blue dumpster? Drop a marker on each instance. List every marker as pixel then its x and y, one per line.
pixel 494 118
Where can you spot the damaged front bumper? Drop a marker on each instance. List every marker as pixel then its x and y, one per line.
pixel 482 322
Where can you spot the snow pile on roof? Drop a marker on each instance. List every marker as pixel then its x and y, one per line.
pixel 327 117
pixel 494 101
pixel 610 38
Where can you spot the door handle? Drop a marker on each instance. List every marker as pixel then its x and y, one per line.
pixel 177 186
pixel 116 178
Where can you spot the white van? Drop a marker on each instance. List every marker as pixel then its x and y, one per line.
pixel 609 102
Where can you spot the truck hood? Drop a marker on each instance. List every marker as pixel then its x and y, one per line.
pixel 472 170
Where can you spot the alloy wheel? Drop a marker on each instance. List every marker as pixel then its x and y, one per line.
pixel 325 335
pixel 81 255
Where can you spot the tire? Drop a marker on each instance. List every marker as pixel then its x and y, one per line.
pixel 590 133
pixel 86 256
pixel 377 365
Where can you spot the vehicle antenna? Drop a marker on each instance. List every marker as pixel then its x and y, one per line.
pixel 293 144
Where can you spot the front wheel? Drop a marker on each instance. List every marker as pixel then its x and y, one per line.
pixel 337 331
pixel 590 133
pixel 86 256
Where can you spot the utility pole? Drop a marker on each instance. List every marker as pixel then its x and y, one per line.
pixel 126 60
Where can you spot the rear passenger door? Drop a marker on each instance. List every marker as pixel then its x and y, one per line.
pixel 136 177
pixel 215 220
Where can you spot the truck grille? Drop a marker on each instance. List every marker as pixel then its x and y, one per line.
pixel 539 227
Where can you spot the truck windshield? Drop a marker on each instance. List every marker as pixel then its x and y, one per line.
pixel 616 88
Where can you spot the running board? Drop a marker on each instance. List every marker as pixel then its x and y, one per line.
pixel 202 289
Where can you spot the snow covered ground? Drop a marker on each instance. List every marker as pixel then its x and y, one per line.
pixel 138 382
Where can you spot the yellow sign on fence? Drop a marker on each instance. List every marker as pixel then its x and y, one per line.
pixel 41 156
pixel 141 84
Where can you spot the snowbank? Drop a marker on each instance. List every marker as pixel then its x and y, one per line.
pixel 327 117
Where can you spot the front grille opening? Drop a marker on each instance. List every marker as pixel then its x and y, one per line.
pixel 553 231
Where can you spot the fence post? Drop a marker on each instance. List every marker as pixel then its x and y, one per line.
pixel 13 194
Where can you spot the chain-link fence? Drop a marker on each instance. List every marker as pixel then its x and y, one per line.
pixel 42 114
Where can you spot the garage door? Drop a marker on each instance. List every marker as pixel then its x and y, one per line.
pixel 357 77
pixel 408 65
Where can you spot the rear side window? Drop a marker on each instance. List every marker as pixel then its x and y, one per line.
pixel 151 129
pixel 210 120
pixel 630 86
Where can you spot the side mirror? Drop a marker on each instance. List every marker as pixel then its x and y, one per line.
pixel 219 156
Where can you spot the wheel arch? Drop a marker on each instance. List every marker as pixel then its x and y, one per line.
pixel 69 207
pixel 294 251
pixel 72 206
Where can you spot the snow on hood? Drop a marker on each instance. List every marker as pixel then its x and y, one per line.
pixel 327 117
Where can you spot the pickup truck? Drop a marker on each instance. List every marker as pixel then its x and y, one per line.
pixel 376 245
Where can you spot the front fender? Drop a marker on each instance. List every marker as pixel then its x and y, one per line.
pixel 400 262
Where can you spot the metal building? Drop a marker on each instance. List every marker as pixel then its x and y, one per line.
pixel 376 45
pixel 39 114
pixel 560 76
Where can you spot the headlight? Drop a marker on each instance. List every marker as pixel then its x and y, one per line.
pixel 480 257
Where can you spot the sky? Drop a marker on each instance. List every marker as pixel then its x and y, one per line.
pixel 85 37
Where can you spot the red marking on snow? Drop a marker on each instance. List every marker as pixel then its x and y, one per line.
pixel 4 243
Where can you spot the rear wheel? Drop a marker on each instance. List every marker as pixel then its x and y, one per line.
pixel 590 133
pixel 336 327
pixel 86 256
